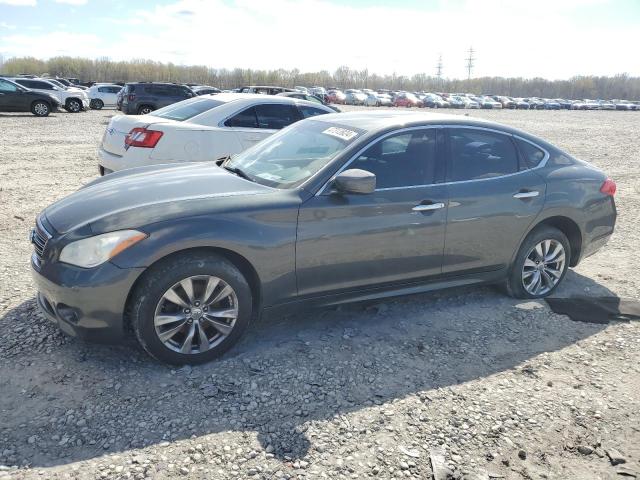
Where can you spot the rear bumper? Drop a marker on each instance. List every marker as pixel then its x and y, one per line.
pixel 134 157
pixel 85 303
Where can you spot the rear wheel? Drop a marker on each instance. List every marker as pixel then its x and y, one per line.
pixel 40 108
pixel 540 265
pixel 191 309
pixel 144 110
pixel 97 104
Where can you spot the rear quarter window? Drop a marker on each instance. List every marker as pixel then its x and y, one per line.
pixel 531 155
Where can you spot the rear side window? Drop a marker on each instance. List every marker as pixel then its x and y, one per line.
pixel 43 85
pixel 531 154
pixel 479 154
pixel 157 89
pixel 275 117
pixel 244 119
pixel 307 111
pixel 182 111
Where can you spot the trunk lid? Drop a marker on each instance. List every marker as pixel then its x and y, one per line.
pixel 120 126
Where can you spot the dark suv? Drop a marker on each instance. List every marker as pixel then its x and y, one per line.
pixel 140 98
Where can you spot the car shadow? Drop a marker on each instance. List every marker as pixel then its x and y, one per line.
pixel 64 400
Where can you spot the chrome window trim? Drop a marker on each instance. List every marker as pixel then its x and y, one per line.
pixel 542 163
pixel 371 143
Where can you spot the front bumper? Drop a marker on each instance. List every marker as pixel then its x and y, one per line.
pixel 86 303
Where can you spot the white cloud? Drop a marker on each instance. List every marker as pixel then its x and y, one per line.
pixel 7 26
pixel 72 2
pixel 19 3
pixel 511 38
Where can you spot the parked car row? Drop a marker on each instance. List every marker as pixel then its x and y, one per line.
pixel 371 98
pixel 18 94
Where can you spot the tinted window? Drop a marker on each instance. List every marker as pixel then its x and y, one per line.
pixel 177 91
pixel 7 86
pixel 245 119
pixel 531 154
pixel 310 111
pixel 114 89
pixel 275 116
pixel 477 154
pixel 25 83
pixel 103 89
pixel 401 160
pixel 157 89
pixel 43 85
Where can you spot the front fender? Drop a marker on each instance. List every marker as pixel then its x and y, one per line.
pixel 266 240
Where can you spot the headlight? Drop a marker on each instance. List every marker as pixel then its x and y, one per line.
pixel 91 252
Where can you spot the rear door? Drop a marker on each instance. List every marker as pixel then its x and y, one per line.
pixel 493 199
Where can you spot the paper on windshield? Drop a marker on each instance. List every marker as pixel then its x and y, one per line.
pixel 341 133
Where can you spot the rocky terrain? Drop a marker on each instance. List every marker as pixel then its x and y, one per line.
pixel 465 383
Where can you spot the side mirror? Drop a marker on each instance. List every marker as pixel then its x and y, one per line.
pixel 355 180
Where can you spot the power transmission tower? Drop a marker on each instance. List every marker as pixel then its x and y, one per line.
pixel 470 64
pixel 439 68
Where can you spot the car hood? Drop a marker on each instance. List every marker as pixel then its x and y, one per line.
pixel 144 195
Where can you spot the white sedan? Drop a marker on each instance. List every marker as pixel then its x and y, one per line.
pixel 202 128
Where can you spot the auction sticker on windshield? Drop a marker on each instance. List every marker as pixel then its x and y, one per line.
pixel 341 133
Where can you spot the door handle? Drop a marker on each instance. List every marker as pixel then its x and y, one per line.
pixel 530 194
pixel 429 206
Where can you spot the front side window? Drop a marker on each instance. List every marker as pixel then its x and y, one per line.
pixel 531 154
pixel 275 117
pixel 291 156
pixel 7 86
pixel 479 154
pixel 401 160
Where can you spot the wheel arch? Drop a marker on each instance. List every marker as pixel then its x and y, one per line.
pixel 571 230
pixel 239 261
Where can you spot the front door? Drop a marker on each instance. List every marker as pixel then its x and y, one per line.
pixel 11 98
pixel 395 234
pixel 493 199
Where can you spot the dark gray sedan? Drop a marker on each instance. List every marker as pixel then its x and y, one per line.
pixel 337 208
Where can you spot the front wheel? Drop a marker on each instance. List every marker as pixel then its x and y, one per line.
pixel 191 309
pixel 73 105
pixel 40 109
pixel 540 265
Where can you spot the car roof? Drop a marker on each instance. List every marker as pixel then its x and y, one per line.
pixel 383 120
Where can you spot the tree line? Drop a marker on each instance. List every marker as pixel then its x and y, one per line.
pixel 620 86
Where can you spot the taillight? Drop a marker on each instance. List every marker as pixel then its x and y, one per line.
pixel 608 187
pixel 141 137
pixel 131 97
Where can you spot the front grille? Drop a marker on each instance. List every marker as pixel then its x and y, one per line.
pixel 39 239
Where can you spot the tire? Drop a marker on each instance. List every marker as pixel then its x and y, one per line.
pixel 97 104
pixel 521 276
pixel 145 109
pixel 40 108
pixel 149 306
pixel 73 105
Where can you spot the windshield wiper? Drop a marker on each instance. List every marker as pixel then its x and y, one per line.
pixel 238 172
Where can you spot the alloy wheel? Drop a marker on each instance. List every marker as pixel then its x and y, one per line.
pixel 41 109
pixel 196 314
pixel 74 106
pixel 543 267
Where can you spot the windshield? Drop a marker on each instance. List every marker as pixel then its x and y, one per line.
pixel 295 154
pixel 57 84
pixel 182 111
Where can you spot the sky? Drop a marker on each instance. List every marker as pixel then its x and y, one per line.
pixel 554 39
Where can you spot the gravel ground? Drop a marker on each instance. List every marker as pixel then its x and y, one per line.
pixel 464 382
